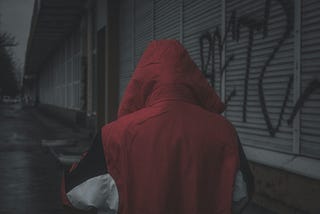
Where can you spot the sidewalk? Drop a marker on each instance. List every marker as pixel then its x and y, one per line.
pixel 64 142
pixel 30 180
pixel 67 144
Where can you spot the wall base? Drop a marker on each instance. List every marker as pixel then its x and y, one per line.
pixel 284 192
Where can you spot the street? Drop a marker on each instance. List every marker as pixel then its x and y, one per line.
pixel 30 179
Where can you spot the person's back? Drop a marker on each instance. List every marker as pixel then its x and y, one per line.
pixel 178 158
pixel 169 151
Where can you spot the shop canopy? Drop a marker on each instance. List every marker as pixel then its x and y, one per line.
pixel 52 21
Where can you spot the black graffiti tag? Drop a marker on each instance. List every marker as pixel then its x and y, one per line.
pixel 216 44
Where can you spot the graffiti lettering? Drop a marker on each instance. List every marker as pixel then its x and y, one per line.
pixel 288 9
pixel 216 42
pixel 312 86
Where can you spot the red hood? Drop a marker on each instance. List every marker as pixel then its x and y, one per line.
pixel 167 72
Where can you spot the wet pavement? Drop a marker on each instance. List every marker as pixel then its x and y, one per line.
pixel 30 175
pixel 30 179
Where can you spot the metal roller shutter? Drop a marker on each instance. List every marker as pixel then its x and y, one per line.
pixel 310 65
pixel 63 76
pixel 268 46
pixel 125 44
pixel 143 28
pixel 69 73
pixel 76 69
pixel 167 19
pixel 200 17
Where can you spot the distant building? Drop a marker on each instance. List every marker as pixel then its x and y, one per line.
pixel 19 76
pixel 262 57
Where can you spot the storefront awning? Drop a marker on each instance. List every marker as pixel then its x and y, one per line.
pixel 52 21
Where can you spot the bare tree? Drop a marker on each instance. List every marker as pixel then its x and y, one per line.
pixel 8 82
pixel 6 40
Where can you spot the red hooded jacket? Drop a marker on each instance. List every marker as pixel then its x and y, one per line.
pixel 170 151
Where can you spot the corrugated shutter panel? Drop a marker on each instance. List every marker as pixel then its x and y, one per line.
pixel 125 46
pixel 69 73
pixel 310 65
pixel 64 69
pixel 167 19
pixel 143 26
pixel 254 131
pixel 61 76
pixel 200 17
pixel 76 69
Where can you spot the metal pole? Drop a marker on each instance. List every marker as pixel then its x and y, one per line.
pixel 297 73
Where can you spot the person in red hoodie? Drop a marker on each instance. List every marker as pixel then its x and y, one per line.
pixel 169 152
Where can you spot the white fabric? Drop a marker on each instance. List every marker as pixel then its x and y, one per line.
pixel 99 192
pixel 240 187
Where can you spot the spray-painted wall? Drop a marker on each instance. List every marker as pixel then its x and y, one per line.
pixel 261 56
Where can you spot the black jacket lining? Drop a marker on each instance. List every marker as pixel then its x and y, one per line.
pixel 246 171
pixel 92 165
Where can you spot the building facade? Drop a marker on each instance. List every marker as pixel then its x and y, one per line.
pixel 261 56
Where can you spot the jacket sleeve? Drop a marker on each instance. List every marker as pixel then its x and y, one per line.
pixel 88 185
pixel 244 183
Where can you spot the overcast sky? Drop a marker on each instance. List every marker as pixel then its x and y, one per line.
pixel 15 19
